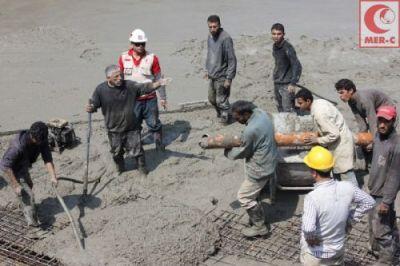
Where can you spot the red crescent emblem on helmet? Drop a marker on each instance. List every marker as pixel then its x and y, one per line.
pixel 369 18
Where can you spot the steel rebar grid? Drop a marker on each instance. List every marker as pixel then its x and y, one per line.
pixel 284 241
pixel 15 247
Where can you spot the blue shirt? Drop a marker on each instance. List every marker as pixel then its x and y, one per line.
pixel 258 146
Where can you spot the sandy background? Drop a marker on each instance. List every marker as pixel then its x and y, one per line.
pixel 52 56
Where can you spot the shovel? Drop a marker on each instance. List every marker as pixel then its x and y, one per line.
pixel 89 132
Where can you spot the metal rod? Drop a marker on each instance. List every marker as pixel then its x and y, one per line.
pixel 77 236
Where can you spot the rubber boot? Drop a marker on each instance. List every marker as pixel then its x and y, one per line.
pixel 29 216
pixel 258 228
pixel 141 164
pixel 119 164
pixel 224 119
pixel 158 140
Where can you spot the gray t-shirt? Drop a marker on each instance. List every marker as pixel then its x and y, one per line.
pixel 117 104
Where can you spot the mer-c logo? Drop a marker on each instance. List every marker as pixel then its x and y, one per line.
pixel 379 24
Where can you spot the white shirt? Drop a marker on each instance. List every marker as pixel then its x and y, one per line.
pixel 335 134
pixel 327 210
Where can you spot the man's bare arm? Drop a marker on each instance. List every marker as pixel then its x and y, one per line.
pixel 52 172
pixel 13 180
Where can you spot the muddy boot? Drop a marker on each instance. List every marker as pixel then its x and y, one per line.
pixel 158 140
pixel 141 165
pixel 258 228
pixel 119 165
pixel 29 216
pixel 224 119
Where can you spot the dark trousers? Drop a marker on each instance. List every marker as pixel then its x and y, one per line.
pixel 284 99
pixel 126 142
pixel 382 232
pixel 148 110
pixel 218 96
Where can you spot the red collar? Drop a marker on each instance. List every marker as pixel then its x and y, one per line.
pixel 131 52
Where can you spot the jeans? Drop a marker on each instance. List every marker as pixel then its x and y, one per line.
pixel 148 110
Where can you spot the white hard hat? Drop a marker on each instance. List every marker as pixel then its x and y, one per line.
pixel 138 36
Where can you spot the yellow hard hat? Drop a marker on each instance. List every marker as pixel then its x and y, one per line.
pixel 319 159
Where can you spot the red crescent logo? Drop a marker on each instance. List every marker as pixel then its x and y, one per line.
pixel 369 18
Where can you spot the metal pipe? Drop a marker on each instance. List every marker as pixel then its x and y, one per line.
pixel 294 139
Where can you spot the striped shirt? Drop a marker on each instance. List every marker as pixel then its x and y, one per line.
pixel 327 211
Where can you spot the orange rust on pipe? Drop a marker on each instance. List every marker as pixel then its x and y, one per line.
pixel 294 139
pixel 363 139
pixel 219 141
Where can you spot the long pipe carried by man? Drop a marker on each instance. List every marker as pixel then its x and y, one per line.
pixel 294 139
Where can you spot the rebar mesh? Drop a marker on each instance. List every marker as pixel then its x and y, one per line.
pixel 283 243
pixel 15 246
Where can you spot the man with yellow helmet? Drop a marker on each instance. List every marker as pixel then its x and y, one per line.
pixel 328 213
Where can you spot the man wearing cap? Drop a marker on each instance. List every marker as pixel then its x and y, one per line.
pixel 383 184
pixel 329 212
pixel 141 66
pixel 23 151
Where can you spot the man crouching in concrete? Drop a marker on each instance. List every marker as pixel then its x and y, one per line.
pixel 23 151
pixel 259 152
pixel 116 98
pixel 328 211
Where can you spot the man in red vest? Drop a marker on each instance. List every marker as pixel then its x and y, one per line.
pixel 141 66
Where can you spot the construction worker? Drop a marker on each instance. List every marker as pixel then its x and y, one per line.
pixel 287 70
pixel 142 66
pixel 363 103
pixel 116 98
pixel 220 66
pixel 23 151
pixel 259 152
pixel 333 131
pixel 329 212
pixel 383 184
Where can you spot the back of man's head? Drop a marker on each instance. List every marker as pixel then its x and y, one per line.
pixel 39 131
pixel 241 107
pixel 279 27
pixel 305 94
pixel 345 84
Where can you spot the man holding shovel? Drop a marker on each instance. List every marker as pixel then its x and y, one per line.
pixel 116 98
pixel 23 151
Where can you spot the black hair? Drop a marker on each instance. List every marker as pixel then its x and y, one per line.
pixel 304 94
pixel 39 131
pixel 345 84
pixel 278 26
pixel 240 107
pixel 324 174
pixel 213 19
